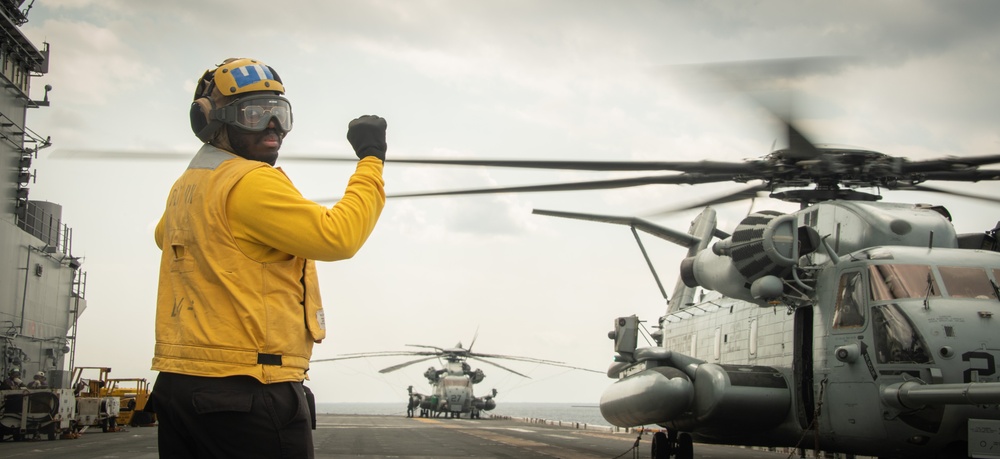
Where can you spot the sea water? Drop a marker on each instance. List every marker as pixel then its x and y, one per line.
pixel 583 413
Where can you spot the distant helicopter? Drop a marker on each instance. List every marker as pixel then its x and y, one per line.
pixel 452 394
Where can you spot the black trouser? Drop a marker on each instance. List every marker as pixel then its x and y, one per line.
pixel 236 416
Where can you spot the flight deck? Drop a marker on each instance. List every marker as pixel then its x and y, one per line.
pixel 359 436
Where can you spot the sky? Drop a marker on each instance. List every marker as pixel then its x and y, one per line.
pixel 555 79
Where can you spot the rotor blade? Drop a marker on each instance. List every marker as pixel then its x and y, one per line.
pixel 972 175
pixel 514 357
pixel 762 80
pixel 690 179
pixel 799 147
pixel 428 347
pixel 681 166
pixel 474 336
pixel 948 164
pixel 374 354
pixel 746 193
pixel 138 155
pixel 405 364
pixel 764 74
pixel 171 155
pixel 551 363
pixel 533 360
pixel 499 366
pixel 953 193
pixel 165 155
pixel 677 237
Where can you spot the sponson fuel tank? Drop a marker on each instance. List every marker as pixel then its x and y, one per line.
pixel 647 397
pixel 716 395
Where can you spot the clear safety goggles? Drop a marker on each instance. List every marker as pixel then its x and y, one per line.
pixel 255 112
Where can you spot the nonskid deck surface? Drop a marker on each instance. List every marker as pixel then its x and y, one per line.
pixel 362 436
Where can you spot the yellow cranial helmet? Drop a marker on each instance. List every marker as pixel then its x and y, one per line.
pixel 239 76
pixel 231 81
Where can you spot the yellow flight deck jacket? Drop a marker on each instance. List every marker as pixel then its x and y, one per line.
pixel 238 291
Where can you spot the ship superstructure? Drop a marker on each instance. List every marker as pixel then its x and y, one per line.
pixel 42 285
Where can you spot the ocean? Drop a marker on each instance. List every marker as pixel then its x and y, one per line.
pixel 583 413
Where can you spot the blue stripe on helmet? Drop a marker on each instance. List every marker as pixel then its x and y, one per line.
pixel 250 74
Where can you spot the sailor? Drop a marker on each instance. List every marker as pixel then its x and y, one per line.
pixel 39 382
pixel 13 380
pixel 238 308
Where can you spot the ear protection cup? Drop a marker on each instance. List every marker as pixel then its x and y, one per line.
pixel 201 123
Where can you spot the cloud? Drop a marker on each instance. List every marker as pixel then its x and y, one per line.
pixel 111 66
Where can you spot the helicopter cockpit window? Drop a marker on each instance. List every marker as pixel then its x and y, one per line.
pixel 850 302
pixel 456 382
pixel 896 339
pixel 898 281
pixel 967 282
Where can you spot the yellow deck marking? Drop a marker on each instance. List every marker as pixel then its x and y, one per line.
pixel 489 433
pixel 534 446
pixel 429 421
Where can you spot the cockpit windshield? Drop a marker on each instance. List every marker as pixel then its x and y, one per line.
pixel 456 382
pixel 901 281
pixel 893 282
pixel 967 282
pixel 896 339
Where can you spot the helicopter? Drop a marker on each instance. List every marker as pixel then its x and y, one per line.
pixel 850 325
pixel 452 392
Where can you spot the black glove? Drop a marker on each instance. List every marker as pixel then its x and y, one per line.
pixel 367 136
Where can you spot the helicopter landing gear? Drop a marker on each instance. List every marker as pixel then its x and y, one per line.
pixel 685 447
pixel 672 444
pixel 661 448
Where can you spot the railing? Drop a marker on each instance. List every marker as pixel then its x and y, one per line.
pixel 36 221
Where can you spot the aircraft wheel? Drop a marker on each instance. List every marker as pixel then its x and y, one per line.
pixel 661 446
pixel 685 446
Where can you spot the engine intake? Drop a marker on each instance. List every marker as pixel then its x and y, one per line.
pixel 751 264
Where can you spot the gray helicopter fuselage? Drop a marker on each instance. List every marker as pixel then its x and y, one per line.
pixel 455 388
pixel 888 350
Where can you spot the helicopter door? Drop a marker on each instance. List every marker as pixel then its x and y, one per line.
pixel 802 365
pixel 847 349
pixel 851 389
